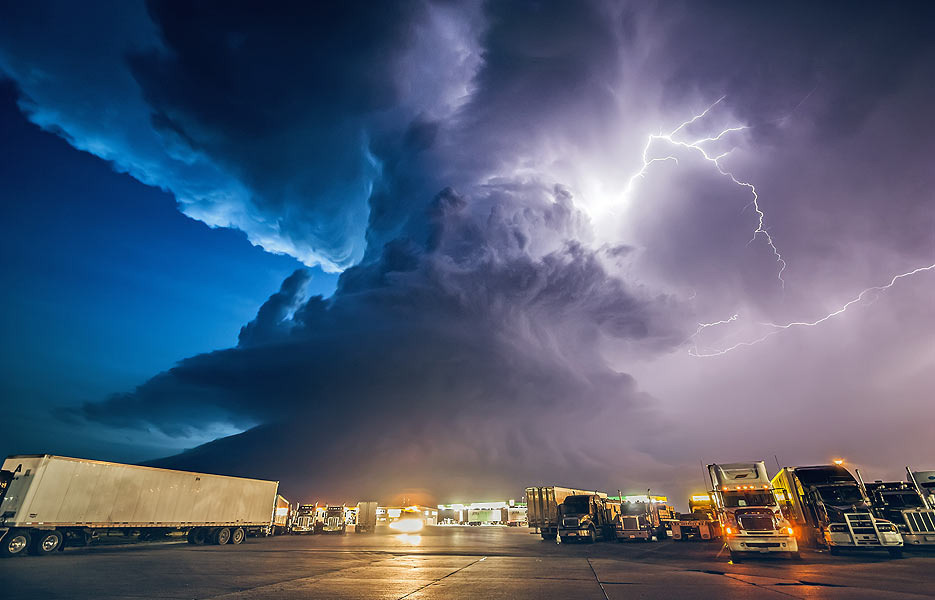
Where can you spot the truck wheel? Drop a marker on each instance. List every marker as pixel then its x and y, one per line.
pixel 895 552
pixel 15 543
pixel 238 535
pixel 592 534
pixel 834 550
pixel 197 536
pixel 735 557
pixel 795 555
pixel 221 536
pixel 45 542
pixel 547 536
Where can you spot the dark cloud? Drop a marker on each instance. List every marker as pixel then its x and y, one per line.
pixel 423 364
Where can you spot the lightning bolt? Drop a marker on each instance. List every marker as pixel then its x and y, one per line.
pixel 697 146
pixel 674 139
pixel 693 351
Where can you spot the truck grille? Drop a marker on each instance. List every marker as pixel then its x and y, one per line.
pixel 920 521
pixel 763 544
pixel 630 523
pixel 570 521
pixel 756 522
pixel 861 523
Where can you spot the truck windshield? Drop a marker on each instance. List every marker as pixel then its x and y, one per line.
pixel 575 505
pixel 840 494
pixel 901 499
pixel 631 508
pixel 749 498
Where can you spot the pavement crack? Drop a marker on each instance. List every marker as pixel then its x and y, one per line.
pixel 443 577
pixel 597 579
pixel 818 583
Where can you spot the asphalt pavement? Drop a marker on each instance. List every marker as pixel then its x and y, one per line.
pixel 452 563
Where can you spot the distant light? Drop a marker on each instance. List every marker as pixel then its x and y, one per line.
pixel 407 525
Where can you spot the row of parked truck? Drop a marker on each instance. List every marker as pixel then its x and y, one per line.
pixel 49 501
pixel 820 506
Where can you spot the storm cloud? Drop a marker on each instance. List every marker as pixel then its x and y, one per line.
pixel 516 303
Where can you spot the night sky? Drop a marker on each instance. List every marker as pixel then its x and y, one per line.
pixel 451 249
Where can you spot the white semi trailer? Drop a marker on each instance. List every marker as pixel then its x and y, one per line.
pixel 47 501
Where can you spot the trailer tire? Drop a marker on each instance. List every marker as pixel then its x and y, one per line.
pixel 197 536
pixel 895 552
pixel 221 536
pixel 15 543
pixel 238 535
pixel 45 542
pixel 547 536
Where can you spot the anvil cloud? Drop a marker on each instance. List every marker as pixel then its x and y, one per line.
pixel 508 311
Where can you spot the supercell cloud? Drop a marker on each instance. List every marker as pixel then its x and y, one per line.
pixel 514 305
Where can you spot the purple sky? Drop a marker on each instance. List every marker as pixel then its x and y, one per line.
pixel 531 228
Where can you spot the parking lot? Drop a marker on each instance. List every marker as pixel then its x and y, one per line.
pixel 453 562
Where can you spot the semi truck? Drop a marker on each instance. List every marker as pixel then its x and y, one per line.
pixel 645 518
pixel 334 521
pixel 700 523
pixel 902 504
pixel 750 517
pixel 542 507
pixel 305 519
pixel 366 517
pixel 50 501
pixel 925 483
pixel 587 517
pixel 830 510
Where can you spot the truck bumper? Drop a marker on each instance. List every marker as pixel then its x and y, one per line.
pixel 631 534
pixel 574 533
pixel 910 539
pixel 843 540
pixel 763 544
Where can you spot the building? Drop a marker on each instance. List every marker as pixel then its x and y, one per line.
pixel 483 513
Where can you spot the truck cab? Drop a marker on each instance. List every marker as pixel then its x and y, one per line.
pixel 830 510
pixel 750 516
pixel 903 505
pixel 701 522
pixel 335 521
pixel 643 518
pixel 925 483
pixel 304 519
pixel 583 517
